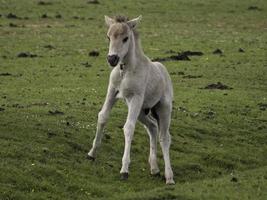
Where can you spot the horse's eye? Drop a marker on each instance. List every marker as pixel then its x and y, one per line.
pixel 125 39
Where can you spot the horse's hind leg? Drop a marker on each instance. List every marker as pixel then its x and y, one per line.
pixel 152 129
pixel 163 112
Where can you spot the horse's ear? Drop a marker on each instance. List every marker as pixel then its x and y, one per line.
pixel 133 23
pixel 109 21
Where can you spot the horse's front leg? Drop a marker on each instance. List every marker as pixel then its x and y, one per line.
pixel 134 107
pixel 102 120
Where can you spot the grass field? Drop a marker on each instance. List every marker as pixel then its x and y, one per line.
pixel 51 91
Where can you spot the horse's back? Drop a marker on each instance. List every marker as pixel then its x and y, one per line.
pixel 159 86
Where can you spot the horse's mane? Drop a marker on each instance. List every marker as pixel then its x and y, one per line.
pixel 121 19
pixel 124 19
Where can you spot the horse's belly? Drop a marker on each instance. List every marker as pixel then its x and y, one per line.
pixel 151 98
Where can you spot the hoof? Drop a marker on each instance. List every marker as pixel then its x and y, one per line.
pixel 90 158
pixel 156 175
pixel 124 176
pixel 170 182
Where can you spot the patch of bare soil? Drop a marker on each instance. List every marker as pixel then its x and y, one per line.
pixel 93 2
pixel 12 16
pixel 184 55
pixel 254 8
pixel 192 76
pixel 241 50
pixel 262 106
pixel 218 51
pixel 94 53
pixel 55 112
pixel 218 86
pixel 26 55
pixel 5 74
pixel 49 46
pixel 44 3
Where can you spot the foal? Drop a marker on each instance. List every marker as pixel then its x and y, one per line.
pixel 147 89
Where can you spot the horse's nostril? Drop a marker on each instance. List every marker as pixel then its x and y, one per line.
pixel 113 60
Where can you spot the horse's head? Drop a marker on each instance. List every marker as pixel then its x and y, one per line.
pixel 120 35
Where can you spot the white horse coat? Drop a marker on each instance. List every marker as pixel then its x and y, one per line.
pixel 147 89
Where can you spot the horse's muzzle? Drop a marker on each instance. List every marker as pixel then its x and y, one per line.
pixel 113 60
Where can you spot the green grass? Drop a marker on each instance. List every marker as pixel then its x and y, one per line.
pixel 219 137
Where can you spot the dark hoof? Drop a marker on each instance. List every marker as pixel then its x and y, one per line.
pixel 90 158
pixel 157 175
pixel 124 176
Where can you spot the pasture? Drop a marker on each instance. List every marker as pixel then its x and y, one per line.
pixel 53 82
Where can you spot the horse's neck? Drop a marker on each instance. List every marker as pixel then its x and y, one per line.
pixel 135 54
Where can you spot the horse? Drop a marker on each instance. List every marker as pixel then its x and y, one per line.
pixel 147 90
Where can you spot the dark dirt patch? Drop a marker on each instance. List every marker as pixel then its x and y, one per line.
pixel 218 51
pixel 94 53
pixel 188 53
pixel 86 64
pixel 184 55
pixel 55 112
pixel 93 2
pixel 193 53
pixel 49 46
pixel 209 114
pixel 262 128
pixel 241 50
pixel 107 136
pixel 262 106
pixel 173 57
pixel 180 73
pixel 38 104
pixel 1 109
pixel 44 3
pixel 58 16
pixel 177 73
pixel 77 17
pixel 218 86
pixel 234 179
pixel 8 74
pixel 254 8
pixel 16 105
pixel 192 76
pixel 13 25
pixel 51 134
pixel 26 55
pixel 44 16
pixel 12 16
pixel 5 74
pixel 180 56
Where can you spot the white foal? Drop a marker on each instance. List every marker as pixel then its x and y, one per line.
pixel 147 89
